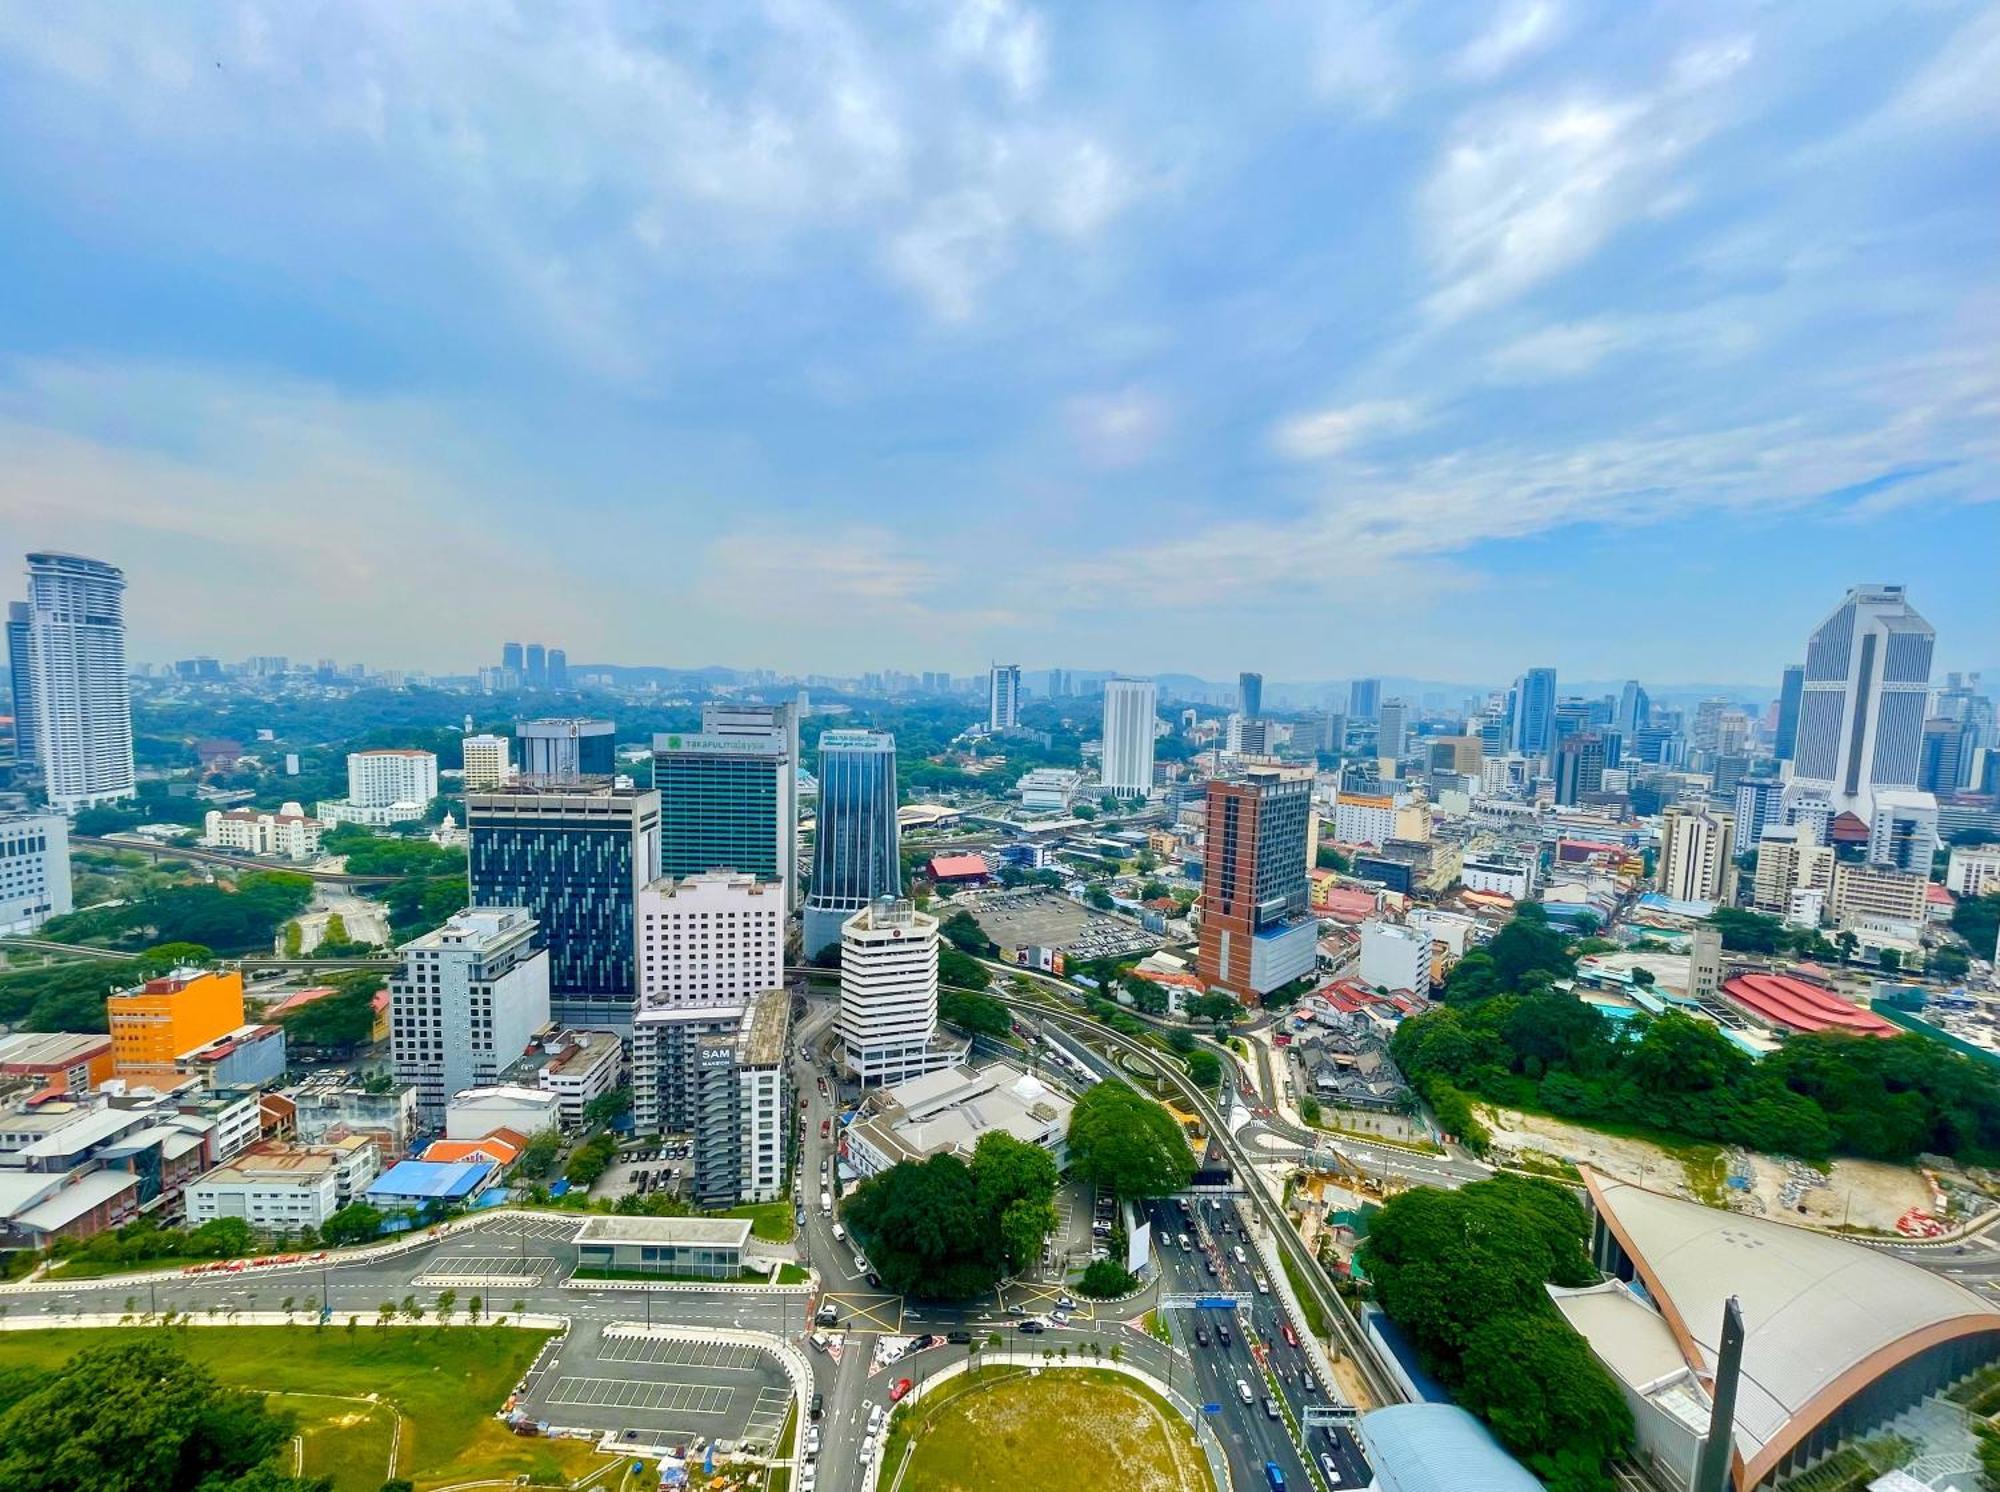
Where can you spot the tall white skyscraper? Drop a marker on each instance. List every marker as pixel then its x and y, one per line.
pixel 1003 697
pixel 888 993
pixel 1695 859
pixel 1392 735
pixel 72 641
pixel 1862 703
pixel 1130 708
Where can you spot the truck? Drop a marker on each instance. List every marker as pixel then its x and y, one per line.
pixel 1274 1474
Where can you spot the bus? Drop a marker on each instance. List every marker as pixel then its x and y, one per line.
pixel 1275 1476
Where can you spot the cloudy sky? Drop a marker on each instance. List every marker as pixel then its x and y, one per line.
pixel 1325 338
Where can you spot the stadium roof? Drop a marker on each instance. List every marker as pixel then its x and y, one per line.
pixel 1823 1318
pixel 1438 1448
pixel 1800 1006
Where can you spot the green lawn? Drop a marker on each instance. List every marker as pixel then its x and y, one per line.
pixel 661 1277
pixel 770 1221
pixel 446 1385
pixel 1086 1428
pixel 1308 1302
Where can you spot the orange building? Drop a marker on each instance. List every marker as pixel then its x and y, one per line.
pixel 162 1018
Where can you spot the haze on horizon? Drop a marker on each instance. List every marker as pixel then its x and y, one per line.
pixel 1325 339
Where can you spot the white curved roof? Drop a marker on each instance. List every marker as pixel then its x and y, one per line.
pixel 1438 1448
pixel 1822 1317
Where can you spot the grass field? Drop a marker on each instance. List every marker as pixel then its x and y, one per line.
pixel 1084 1429
pixel 445 1384
pixel 770 1221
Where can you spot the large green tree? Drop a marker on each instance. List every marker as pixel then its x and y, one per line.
pixel 946 1229
pixel 137 1416
pixel 1127 1144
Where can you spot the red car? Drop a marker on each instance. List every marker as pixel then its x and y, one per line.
pixel 825 1128
pixel 896 1394
pixel 1291 1337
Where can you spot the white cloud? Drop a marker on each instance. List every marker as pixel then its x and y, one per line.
pixel 1555 352
pixel 1118 429
pixel 1004 38
pixel 1518 31
pixel 1357 58
pixel 1527 190
pixel 1321 433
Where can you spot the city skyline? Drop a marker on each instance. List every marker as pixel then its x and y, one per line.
pixel 995 327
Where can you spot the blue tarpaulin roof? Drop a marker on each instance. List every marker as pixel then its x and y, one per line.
pixel 425 1180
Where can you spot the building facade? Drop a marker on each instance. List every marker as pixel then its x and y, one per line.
pixel 486 761
pixel 709 940
pixel 67 650
pixel 567 748
pixel 1130 708
pixel 1257 928
pixel 1863 700
pixel 1697 860
pixel 156 1022
pixel 741 1107
pixel 34 870
pixel 726 803
pixel 575 857
pixel 469 1000
pixel 386 778
pixel 856 844
pixel 289 834
pixel 888 992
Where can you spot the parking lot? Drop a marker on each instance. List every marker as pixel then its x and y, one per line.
pixel 1039 917
pixel 663 1166
pixel 654 1391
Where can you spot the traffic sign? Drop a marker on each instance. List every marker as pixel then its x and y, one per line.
pixel 1211 1409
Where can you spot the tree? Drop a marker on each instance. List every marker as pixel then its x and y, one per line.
pixel 1204 1068
pixel 1309 1109
pixel 962 969
pixel 1977 920
pixel 974 1014
pixel 1127 1144
pixel 606 1107
pixel 137 1415
pixel 1329 858
pixel 962 930
pixel 357 1222
pixel 1950 963
pixel 1096 896
pixel 1106 1279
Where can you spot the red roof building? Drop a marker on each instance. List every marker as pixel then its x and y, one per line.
pixel 960 868
pixel 1848 828
pixel 1798 1006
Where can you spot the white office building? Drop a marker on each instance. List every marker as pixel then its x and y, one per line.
pixel 289 834
pixel 469 1000
pixel 281 1188
pixel 708 940
pixel 382 779
pixel 34 870
pixel 1131 709
pixel 888 992
pixel 1499 876
pixel 1394 957
pixel 487 762
pixel 1049 789
pixel 72 699
pixel 1863 702
pixel 1392 730
pixel 1974 870
pixel 1696 855
pixel 1904 830
pixel 582 1066
pixel 1003 697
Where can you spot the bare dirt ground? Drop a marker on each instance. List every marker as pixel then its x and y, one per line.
pixel 1856 1193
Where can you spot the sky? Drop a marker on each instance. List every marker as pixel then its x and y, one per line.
pixel 1320 338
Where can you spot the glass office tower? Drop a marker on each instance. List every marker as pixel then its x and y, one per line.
pixel 574 856
pixel 856 848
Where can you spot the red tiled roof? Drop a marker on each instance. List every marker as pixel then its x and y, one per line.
pixel 954 867
pixel 1800 1006
pixel 1848 829
pixel 1937 896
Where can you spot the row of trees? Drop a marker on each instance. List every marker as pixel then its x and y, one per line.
pixel 243 918
pixel 1125 1143
pixel 1463 1273
pixel 1537 1047
pixel 947 1230
pixel 70 997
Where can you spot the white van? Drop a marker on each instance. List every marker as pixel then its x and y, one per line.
pixel 1238 1251
pixel 826 1204
pixel 1243 1391
pixel 839 1234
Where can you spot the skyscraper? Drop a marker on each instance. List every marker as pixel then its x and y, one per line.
pixel 1364 699
pixel 888 993
pixel 726 803
pixel 1696 859
pixel 510 657
pixel 1579 770
pixel 1862 701
pixel 536 666
pixel 1535 712
pixel 1791 688
pixel 1392 733
pixel 1945 757
pixel 1003 697
pixel 78 696
pixel 1257 931
pixel 1250 695
pixel 22 680
pixel 856 845
pixel 469 998
pixel 558 669
pixel 1130 709
pixel 1634 709
pixel 575 856
pixel 566 748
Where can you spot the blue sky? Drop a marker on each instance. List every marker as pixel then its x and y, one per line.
pixel 1324 338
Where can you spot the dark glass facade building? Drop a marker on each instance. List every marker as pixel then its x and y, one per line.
pixel 856 846
pixel 574 856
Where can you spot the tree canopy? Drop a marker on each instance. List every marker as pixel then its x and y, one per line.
pixel 974 1014
pixel 1822 1092
pixel 941 1229
pixel 1463 1274
pixel 1124 1142
pixel 138 1417
pixel 239 919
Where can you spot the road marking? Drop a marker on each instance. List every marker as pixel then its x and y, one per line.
pixel 631 1393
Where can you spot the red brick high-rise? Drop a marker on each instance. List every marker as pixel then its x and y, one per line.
pixel 1257 929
